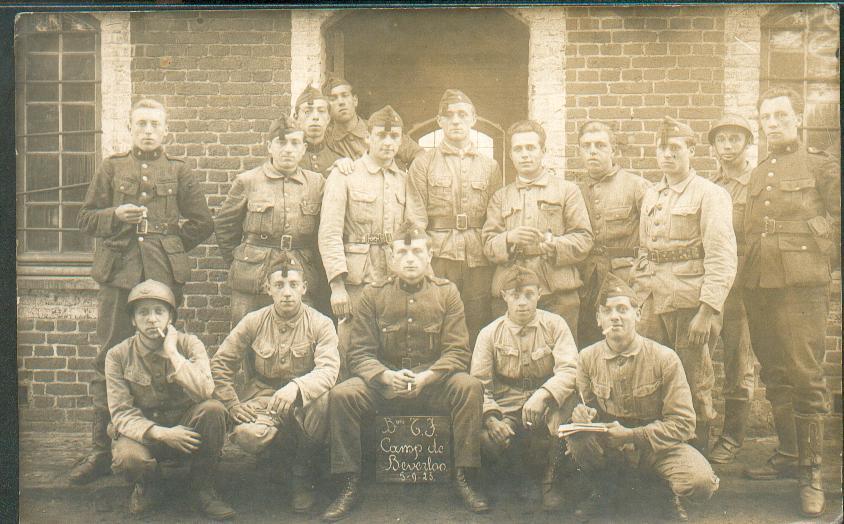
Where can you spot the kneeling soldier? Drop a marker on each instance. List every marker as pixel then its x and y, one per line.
pixel 639 386
pixel 527 362
pixel 290 355
pixel 409 347
pixel 159 394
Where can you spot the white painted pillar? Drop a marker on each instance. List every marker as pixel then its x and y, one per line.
pixel 307 49
pixel 116 81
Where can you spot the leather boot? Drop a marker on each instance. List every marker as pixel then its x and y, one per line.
pixel 208 501
pixel 810 447
pixel 677 510
pixel 551 499
pixel 301 481
pixel 735 428
pixel 147 492
pixel 98 463
pixel 346 500
pixel 472 499
pixel 701 440
pixel 783 463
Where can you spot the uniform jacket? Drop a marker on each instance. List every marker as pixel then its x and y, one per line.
pixel 647 383
pixel 266 204
pixel 445 182
pixel 275 351
pixel 614 203
pixel 352 144
pixel 399 326
pixel 695 212
pixel 542 351
pixel 144 389
pixel 548 203
pixel 737 188
pixel 793 184
pixel 170 192
pixel 319 158
pixel 369 201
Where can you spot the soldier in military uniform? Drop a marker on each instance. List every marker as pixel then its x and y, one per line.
pixel 409 347
pixel 360 211
pixel 527 363
pixel 686 266
pixel 791 225
pixel 449 189
pixel 289 352
pixel 311 113
pixel 613 198
pixel 271 211
pixel 346 134
pixel 638 388
pixel 540 222
pixel 730 137
pixel 133 207
pixel 159 394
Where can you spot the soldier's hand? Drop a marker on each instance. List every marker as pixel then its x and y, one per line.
pixel 180 438
pixel 284 399
pixel 401 382
pixel 583 414
pixel 344 165
pixel 499 431
pixel 533 412
pixel 170 337
pixel 242 413
pixel 129 213
pixel 524 236
pixel 618 435
pixel 340 303
pixel 701 325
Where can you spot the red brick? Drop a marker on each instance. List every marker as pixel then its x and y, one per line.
pixel 634 36
pixel 67 338
pixel 679 36
pixel 675 87
pixel 44 363
pixel 586 88
pixel 80 363
pixel 629 88
pixel 45 325
pixel 66 325
pixel 654 61
pixel 44 376
pixel 30 338
pixel 65 376
pixel 588 36
pixel 44 351
pixel 62 389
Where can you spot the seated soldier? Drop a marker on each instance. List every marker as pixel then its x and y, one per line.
pixel 409 348
pixel 159 395
pixel 527 362
pixel 289 351
pixel 640 388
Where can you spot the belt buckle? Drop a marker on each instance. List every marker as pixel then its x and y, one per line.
pixel 769 225
pixel 599 250
pixel 142 227
pixel 462 222
pixel 388 237
pixel 286 242
pixel 406 363
pixel 373 239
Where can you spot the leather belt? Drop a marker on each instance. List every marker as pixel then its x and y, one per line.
pixel 530 251
pixel 272 382
pixel 410 363
pixel 374 238
pixel 676 255
pixel 145 227
pixel 799 227
pixel 614 252
pixel 283 242
pixel 459 222
pixel 525 383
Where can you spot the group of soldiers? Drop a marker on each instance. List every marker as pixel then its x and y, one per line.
pixel 512 308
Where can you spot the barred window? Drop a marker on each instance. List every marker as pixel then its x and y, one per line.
pixel 57 107
pixel 800 50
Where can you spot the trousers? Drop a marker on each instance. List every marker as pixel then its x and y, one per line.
pixel 474 285
pixel 738 354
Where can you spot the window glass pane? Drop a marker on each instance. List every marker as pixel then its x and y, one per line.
pixel 78 118
pixel 42 172
pixel 76 169
pixel 40 22
pixel 46 241
pixel 787 41
pixel 42 216
pixel 42 92
pixel 78 92
pixel 42 67
pixel 822 55
pixel 42 42
pixel 78 67
pixel 42 118
pixel 79 42
pixel 80 22
pixel 73 240
pixel 821 138
pixel 822 105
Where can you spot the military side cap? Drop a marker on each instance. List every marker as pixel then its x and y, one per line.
pixel 284 264
pixel 453 96
pixel 151 289
pixel 282 126
pixel 672 128
pixel 614 287
pixel 333 81
pixel 731 120
pixel 386 117
pixel 309 95
pixel 408 232
pixel 518 276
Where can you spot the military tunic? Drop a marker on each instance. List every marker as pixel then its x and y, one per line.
pixel 319 158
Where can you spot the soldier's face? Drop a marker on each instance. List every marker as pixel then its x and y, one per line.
pixel 287 152
pixel 148 126
pixel 730 144
pixel 383 144
pixel 286 292
pixel 313 118
pixel 149 315
pixel 596 152
pixel 526 153
pixel 521 303
pixel 674 156
pixel 779 121
pixel 457 120
pixel 410 261
pixel 343 104
pixel 618 318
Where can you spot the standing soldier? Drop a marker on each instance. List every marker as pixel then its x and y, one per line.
pixel 133 206
pixel 410 348
pixel 311 113
pixel 448 192
pixel 289 352
pixel 539 221
pixel 527 363
pixel 791 226
pixel 731 136
pixel 687 263
pixel 614 199
pixel 271 211
pixel 347 131
pixel 361 211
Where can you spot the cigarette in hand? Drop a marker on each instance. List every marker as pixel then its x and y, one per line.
pixel 409 386
pixel 528 424
pixel 160 333
pixel 342 319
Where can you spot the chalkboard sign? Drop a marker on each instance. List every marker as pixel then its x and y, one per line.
pixel 413 449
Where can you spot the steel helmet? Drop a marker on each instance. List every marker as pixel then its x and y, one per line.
pixel 731 120
pixel 152 289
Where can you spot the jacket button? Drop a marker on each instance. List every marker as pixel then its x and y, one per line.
pixel 410 321
pixel 144 178
pixel 764 235
pixel 384 330
pixel 767 202
pixel 143 193
pixel 804 248
pixel 769 188
pixel 140 239
pixel 169 191
pixel 771 174
pixel 122 187
pixel 773 160
pixel 144 166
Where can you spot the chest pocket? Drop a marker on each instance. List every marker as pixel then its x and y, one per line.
pixel 799 194
pixel 618 222
pixel 647 400
pixel 602 393
pixel 479 197
pixel 270 361
pixel 507 360
pixel 550 217
pixel 362 206
pixel 510 216
pixel 685 223
pixel 440 187
pixel 259 217
pixel 390 342
pixel 310 217
pixel 432 338
pixel 302 356
pixel 542 362
pixel 140 385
